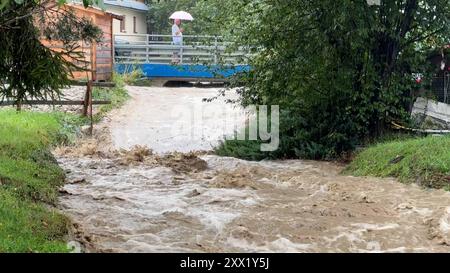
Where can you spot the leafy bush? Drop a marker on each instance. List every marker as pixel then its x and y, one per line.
pixel 300 137
pixel 133 77
pixel 341 72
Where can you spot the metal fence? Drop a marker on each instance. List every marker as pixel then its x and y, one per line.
pixel 441 88
pixel 159 49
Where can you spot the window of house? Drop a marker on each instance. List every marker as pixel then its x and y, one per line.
pixel 134 24
pixel 122 25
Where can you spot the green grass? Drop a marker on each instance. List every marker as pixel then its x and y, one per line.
pixel 118 95
pixel 425 161
pixel 243 149
pixel 30 176
pixel 136 78
pixel 29 181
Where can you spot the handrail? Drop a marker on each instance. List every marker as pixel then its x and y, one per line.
pixel 141 48
pixel 167 36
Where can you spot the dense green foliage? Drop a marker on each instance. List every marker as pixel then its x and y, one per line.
pixel 159 12
pixel 209 16
pixel 29 181
pixel 425 161
pixel 341 71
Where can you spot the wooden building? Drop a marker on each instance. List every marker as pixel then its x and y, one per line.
pixel 98 56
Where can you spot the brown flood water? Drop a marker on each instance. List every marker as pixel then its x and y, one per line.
pixel 239 206
pixel 234 205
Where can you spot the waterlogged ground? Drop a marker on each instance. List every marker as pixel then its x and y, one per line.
pixel 139 202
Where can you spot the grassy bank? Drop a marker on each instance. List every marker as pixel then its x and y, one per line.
pixel 425 161
pixel 29 181
pixel 118 95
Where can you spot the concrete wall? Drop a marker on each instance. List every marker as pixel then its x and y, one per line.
pixel 436 110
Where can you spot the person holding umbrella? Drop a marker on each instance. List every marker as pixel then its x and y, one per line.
pixel 177 32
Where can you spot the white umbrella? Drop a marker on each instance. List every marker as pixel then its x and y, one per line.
pixel 182 15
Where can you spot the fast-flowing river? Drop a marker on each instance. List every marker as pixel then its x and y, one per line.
pixel 138 202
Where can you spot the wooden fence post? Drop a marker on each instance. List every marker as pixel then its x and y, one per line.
pixel 87 99
pixel 91 128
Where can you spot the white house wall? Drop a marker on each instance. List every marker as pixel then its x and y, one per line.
pixel 141 20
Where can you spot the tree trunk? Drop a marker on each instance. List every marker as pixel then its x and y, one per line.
pixel 19 106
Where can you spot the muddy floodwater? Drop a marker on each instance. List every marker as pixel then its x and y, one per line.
pixel 175 119
pixel 231 205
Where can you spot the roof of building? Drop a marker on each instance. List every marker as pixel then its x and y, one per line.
pixel 127 4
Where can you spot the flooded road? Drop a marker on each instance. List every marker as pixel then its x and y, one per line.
pixel 147 202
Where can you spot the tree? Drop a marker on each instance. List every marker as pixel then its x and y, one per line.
pixel 210 16
pixel 341 71
pixel 28 69
pixel 159 13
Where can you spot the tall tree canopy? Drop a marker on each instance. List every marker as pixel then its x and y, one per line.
pixel 208 15
pixel 341 71
pixel 159 12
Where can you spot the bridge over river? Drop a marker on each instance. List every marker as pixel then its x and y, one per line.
pixel 208 58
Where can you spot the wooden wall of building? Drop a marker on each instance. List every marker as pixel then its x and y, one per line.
pixel 99 56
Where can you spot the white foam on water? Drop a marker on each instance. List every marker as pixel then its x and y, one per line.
pixel 214 219
pixel 366 226
pixel 424 211
pixel 281 245
pixel 444 223
pixel 141 198
pixel 152 209
pixel 356 237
